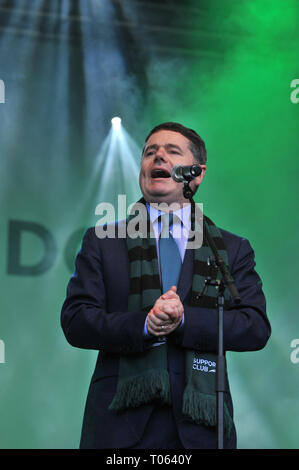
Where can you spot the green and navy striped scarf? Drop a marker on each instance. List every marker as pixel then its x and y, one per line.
pixel 144 377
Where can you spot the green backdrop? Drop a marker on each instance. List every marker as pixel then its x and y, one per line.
pixel 67 67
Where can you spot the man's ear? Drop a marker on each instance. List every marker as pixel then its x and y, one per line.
pixel 198 180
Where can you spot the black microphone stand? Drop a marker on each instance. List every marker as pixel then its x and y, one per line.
pixel 226 281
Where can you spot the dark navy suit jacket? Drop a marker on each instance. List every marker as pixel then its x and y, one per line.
pixel 95 316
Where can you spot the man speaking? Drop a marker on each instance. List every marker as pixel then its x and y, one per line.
pixel 143 302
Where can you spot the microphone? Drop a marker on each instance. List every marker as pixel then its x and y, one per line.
pixel 181 173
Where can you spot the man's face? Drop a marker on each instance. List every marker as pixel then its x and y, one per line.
pixel 165 149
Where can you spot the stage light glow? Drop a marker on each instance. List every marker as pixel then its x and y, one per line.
pixel 116 123
pixel 115 172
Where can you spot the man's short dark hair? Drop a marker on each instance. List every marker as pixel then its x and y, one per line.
pixel 197 145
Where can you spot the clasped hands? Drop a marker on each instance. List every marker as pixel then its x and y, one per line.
pixel 166 315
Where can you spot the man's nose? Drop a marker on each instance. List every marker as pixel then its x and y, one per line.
pixel 160 154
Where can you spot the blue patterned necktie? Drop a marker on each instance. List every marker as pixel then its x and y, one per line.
pixel 170 259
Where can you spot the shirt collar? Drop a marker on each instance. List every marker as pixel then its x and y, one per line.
pixel 183 213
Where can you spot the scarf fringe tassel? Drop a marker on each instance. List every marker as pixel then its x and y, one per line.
pixel 135 391
pixel 202 409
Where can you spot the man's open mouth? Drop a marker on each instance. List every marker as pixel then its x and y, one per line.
pixel 160 173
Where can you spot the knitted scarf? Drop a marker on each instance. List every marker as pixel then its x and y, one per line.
pixel 144 377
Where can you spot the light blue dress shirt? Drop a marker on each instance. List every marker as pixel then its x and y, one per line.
pixel 179 231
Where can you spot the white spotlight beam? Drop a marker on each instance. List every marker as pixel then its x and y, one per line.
pixel 116 123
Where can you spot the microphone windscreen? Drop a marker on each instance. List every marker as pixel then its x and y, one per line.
pixel 176 174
